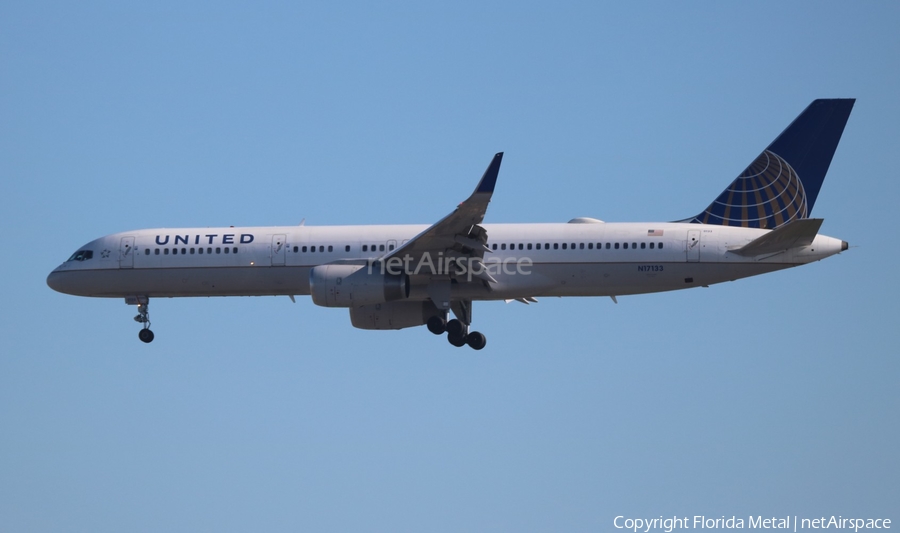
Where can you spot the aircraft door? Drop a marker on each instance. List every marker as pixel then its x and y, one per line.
pixel 278 250
pixel 693 246
pixel 126 252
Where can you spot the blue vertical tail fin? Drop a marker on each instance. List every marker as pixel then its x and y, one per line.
pixel 782 184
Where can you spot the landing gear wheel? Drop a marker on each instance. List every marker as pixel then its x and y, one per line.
pixel 145 335
pixel 476 340
pixel 143 317
pixel 456 340
pixel 437 325
pixel 456 328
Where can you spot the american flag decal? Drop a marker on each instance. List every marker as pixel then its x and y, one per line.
pixel 654 233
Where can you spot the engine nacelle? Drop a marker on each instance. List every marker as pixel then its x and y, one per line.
pixel 392 315
pixel 355 285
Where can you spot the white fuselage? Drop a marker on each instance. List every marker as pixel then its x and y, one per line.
pixel 566 259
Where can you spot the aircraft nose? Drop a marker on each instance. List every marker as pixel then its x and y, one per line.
pixel 55 281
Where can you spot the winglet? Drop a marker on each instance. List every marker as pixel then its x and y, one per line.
pixel 490 175
pixel 457 228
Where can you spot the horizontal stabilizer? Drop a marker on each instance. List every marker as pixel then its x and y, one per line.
pixel 794 234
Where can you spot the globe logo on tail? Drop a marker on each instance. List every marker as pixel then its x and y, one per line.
pixel 768 194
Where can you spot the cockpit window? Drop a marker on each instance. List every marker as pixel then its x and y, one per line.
pixel 81 255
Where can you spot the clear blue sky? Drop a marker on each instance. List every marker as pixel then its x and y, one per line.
pixel 774 395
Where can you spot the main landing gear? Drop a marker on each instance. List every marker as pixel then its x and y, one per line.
pixel 457 333
pixel 143 317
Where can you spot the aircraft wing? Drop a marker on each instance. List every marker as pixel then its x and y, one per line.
pixel 457 233
pixel 796 233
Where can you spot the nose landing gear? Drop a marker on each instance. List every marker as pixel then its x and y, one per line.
pixel 143 317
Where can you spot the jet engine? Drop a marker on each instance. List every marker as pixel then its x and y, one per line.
pixel 355 285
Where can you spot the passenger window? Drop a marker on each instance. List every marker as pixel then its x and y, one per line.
pixel 381 248
pixel 296 249
pixel 565 245
pixel 634 246
pixel 494 246
pixel 330 248
pixel 192 251
pixel 347 248
pixel 234 250
pixel 556 246
pixel 200 251
pixel 546 246
pixel 521 246
pixel 651 245
pixel 660 246
pixel 607 246
pixel 590 246
pixel 538 245
pixel 218 250
pixel 529 246
pixel 312 249
pixel 209 250
pixel 617 246
pixel 156 251
pixel 573 245
pixel 147 251
pixel 581 246
pixel 226 250
pixel 643 245
pixel 165 251
pixel 321 248
pixel 503 246
pixel 183 251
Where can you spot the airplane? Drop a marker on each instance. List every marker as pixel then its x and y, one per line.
pixel 401 276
